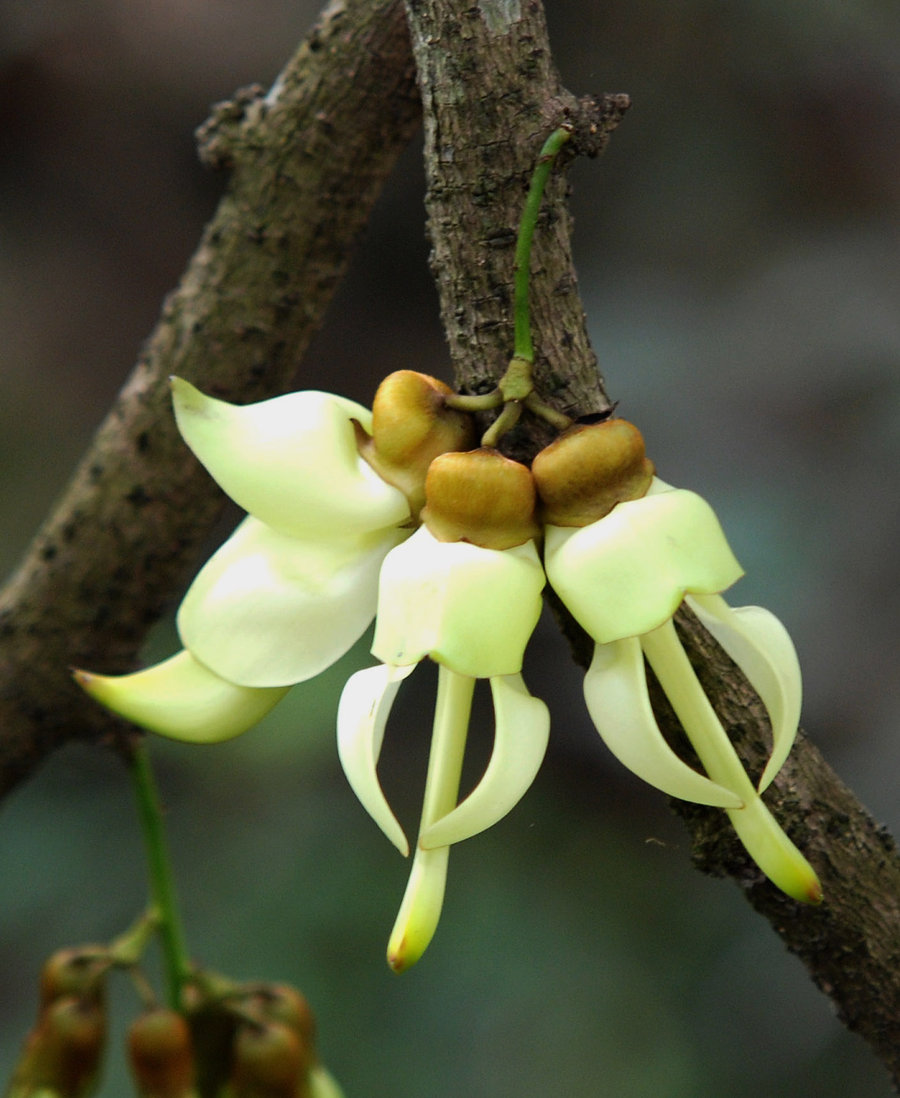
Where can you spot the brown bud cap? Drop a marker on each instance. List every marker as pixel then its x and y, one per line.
pixel 481 497
pixel 269 1062
pixel 161 1055
pixel 75 971
pixel 411 425
pixel 285 1004
pixel 585 472
pixel 63 1052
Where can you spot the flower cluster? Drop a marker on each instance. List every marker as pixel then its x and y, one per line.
pixel 394 514
pixel 243 1040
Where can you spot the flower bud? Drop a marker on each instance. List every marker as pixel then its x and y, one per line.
pixel 481 497
pixel 77 971
pixel 160 1054
pixel 411 425
pixel 62 1053
pixel 285 1004
pixel 269 1062
pixel 585 472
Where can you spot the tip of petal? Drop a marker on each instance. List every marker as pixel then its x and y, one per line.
pixel 399 957
pixel 406 947
pixel 182 699
pixel 188 396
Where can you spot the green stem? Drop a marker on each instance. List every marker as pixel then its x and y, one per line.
pixel 507 419
pixel 162 884
pixel 464 402
pixel 523 345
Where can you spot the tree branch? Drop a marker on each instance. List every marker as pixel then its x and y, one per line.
pixel 307 162
pixel 851 943
pixel 490 96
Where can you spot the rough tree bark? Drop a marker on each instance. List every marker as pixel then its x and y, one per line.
pixel 307 161
pixel 490 95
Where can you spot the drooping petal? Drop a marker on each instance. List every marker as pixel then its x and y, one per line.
pixel 291 461
pixel 756 827
pixel 468 608
pixel 182 699
pixel 761 646
pixel 768 845
pixel 615 689
pixel 628 572
pixel 268 609
pixel 522 730
pixel 363 711
pixel 420 910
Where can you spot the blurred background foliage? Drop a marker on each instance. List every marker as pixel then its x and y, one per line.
pixel 737 250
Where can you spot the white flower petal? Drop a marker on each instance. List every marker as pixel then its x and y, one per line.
pixel 628 572
pixel 362 715
pixel 774 853
pixel 182 699
pixel 420 911
pixel 468 608
pixel 268 609
pixel 520 742
pixel 291 461
pixel 761 646
pixel 615 689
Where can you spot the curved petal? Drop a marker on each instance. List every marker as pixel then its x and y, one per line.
pixel 269 610
pixel 182 699
pixel 615 689
pixel 469 608
pixel 362 715
pixel 768 845
pixel 520 741
pixel 420 910
pixel 761 646
pixel 628 572
pixel 291 461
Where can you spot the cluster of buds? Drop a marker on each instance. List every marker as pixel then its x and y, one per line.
pixel 231 1041
pixel 227 1040
pixel 62 1054
pixel 394 514
pixel 255 1041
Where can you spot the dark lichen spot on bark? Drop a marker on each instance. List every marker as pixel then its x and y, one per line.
pixel 501 238
pixel 138 496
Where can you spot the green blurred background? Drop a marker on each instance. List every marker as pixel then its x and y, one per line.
pixel 737 250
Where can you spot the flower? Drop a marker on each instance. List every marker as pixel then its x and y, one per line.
pixel 296 584
pixel 471 608
pixel 623 571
